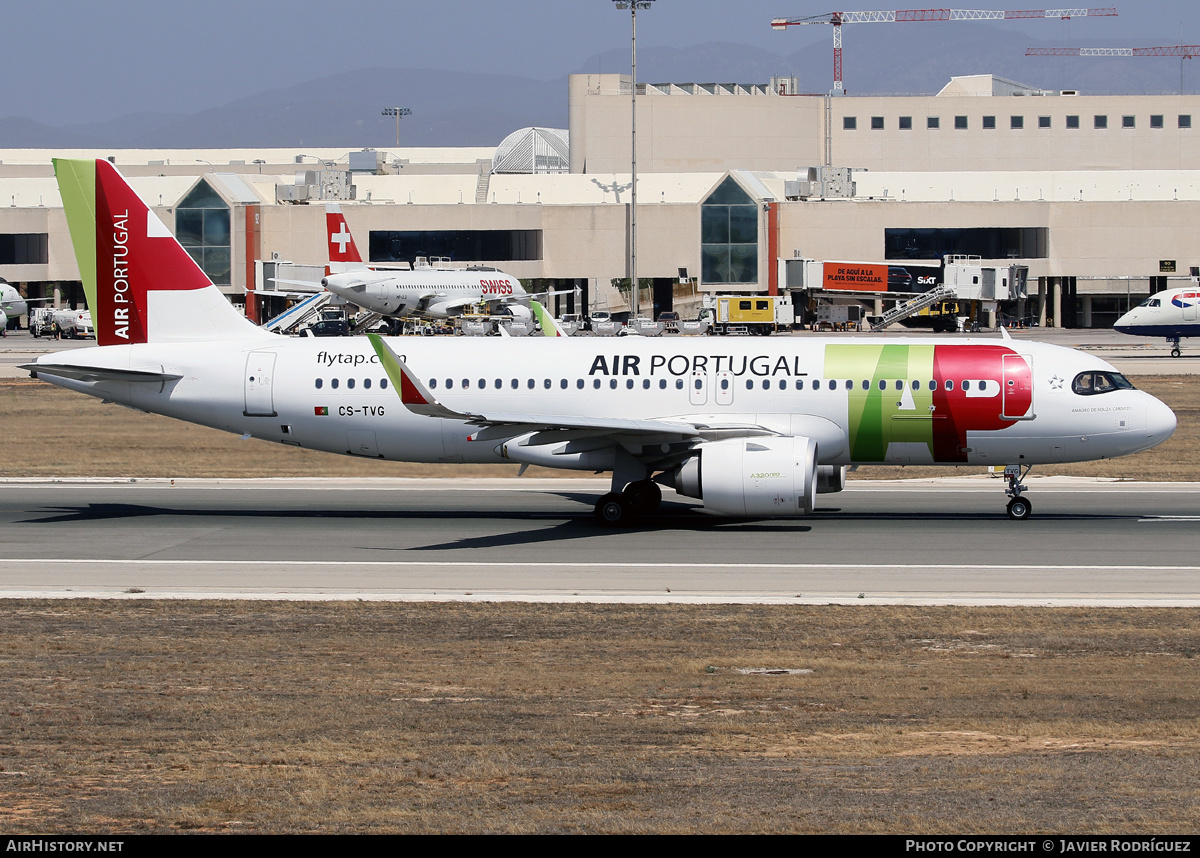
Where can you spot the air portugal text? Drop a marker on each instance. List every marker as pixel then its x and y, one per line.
pixel 760 365
pixel 120 278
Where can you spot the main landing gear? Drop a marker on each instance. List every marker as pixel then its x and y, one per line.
pixel 620 509
pixel 1019 508
pixel 1175 350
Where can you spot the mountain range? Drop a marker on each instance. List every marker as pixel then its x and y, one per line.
pixel 457 108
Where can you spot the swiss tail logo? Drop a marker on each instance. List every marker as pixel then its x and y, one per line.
pixel 341 243
pixel 123 250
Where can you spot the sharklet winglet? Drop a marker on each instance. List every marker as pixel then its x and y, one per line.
pixel 416 396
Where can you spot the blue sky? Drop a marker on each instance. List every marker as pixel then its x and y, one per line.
pixel 68 60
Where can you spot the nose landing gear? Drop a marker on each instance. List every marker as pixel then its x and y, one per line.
pixel 1175 350
pixel 1019 508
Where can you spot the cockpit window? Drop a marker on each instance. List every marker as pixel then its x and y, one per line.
pixel 1090 383
pixel 1150 302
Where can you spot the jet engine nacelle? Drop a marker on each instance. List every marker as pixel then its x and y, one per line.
pixel 519 312
pixel 831 478
pixel 771 476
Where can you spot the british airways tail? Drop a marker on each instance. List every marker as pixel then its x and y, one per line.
pixel 141 285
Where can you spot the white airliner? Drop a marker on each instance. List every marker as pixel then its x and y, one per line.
pixel 748 428
pixel 1172 314
pixel 433 293
pixel 12 304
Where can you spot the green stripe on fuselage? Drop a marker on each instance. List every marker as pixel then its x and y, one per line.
pixel 877 417
pixel 77 187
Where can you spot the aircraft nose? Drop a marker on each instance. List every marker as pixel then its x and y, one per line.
pixel 1160 422
pixel 1122 324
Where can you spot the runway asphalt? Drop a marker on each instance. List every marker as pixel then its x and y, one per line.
pixel 944 541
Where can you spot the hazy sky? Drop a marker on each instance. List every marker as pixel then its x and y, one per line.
pixel 67 61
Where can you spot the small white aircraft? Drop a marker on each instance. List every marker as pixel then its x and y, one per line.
pixel 433 293
pixel 748 428
pixel 1173 314
pixel 12 304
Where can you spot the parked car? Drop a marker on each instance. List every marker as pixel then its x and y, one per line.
pixel 328 328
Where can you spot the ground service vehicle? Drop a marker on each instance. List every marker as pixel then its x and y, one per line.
pixel 748 314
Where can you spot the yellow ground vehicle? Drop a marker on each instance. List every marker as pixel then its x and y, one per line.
pixel 748 314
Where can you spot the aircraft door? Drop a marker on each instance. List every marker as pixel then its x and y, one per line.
pixel 1016 388
pixel 260 376
pixel 362 443
pixel 724 390
pixel 698 388
pixel 1190 300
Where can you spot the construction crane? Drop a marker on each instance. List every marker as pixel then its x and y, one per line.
pixel 1184 52
pixel 837 19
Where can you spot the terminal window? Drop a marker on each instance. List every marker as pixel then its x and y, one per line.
pixel 1099 121
pixel 461 245
pixel 1128 122
pixel 1043 122
pixel 905 123
pixel 202 227
pixel 729 235
pixel 849 123
pixel 1072 121
pixel 1185 120
pixel 24 248
pixel 876 123
pixel 988 122
pixel 1016 122
pixel 960 122
pixel 988 242
pixel 933 122
pixel 1156 120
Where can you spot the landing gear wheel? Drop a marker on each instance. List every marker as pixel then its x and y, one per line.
pixel 613 510
pixel 1175 352
pixel 643 497
pixel 1019 508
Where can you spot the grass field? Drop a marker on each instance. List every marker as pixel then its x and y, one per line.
pixel 352 717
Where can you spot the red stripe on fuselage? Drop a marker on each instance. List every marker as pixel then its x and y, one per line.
pixel 954 413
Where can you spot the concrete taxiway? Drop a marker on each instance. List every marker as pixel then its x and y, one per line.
pixel 879 542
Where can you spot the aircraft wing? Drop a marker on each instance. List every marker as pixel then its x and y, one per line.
pixel 418 399
pixel 98 373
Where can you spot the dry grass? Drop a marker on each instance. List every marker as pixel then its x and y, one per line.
pixel 347 717
pixel 59 433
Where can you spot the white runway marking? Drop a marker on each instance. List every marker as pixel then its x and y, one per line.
pixel 493 564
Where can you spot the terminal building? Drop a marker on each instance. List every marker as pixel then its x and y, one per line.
pixel 1094 196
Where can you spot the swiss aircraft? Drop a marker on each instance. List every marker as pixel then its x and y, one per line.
pixel 433 293
pixel 747 428
pixel 1172 314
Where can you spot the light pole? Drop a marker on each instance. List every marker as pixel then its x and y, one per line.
pixel 397 112
pixel 633 6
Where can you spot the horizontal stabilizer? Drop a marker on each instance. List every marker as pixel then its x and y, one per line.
pixel 98 373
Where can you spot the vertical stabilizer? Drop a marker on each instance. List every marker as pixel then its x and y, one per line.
pixel 343 253
pixel 141 285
